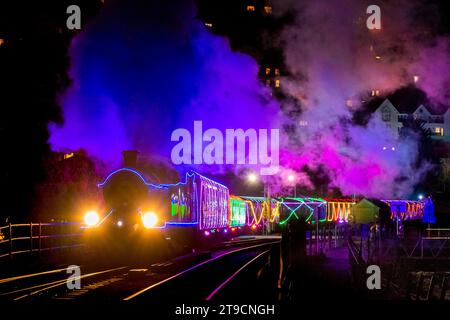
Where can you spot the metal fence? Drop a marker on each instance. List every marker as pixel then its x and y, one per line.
pixel 30 237
pixel 434 243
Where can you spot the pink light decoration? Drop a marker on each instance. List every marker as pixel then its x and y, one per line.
pixel 213 203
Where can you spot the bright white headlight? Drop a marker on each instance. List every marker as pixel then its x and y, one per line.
pixel 91 218
pixel 149 219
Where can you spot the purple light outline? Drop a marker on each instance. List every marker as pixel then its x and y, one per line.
pixel 233 275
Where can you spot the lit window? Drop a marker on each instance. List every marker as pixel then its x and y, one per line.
pixel 378 57
pixel 267 71
pixel 250 8
pixel 209 25
pixel 277 71
pixel 268 9
pixel 303 123
pixel 386 114
pixel 68 155
pixel 1 42
pixel 277 83
pixel 439 131
pixel 416 79
pixel 375 93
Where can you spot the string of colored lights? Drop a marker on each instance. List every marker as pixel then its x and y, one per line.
pixel 339 210
pixel 406 209
pixel 308 202
pixel 201 201
pixel 262 207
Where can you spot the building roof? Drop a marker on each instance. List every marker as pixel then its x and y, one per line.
pixel 403 109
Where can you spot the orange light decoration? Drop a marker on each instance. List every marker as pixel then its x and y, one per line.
pixel 338 209
pixel 406 209
pixel 260 210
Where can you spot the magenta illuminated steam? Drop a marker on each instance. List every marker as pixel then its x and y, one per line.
pixel 140 72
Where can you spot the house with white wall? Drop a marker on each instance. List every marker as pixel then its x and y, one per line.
pixel 439 124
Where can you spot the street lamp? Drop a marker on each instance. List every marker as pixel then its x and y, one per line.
pixel 291 179
pixel 252 177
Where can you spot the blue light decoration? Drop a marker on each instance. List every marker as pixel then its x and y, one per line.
pixel 137 173
pixel 428 214
pixel 196 201
pixel 412 210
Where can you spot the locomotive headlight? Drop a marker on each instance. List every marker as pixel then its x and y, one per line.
pixel 91 218
pixel 149 219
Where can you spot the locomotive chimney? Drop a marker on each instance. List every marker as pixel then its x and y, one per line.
pixel 129 158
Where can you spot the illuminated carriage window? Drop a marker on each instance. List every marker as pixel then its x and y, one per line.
pixel 179 205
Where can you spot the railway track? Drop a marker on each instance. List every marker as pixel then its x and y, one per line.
pixel 137 283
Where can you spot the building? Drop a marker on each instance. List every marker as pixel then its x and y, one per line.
pixel 394 117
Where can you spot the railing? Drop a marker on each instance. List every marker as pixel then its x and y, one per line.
pixel 435 242
pixel 37 237
pixel 428 285
pixel 325 238
pixel 357 264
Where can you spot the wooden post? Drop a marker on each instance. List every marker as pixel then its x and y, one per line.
pixel 421 248
pixel 40 237
pixel 10 240
pixel 335 236
pixel 31 237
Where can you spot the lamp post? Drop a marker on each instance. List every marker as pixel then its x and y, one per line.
pixel 253 178
pixel 291 179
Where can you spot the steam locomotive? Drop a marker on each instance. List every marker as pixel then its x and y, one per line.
pixel 196 206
